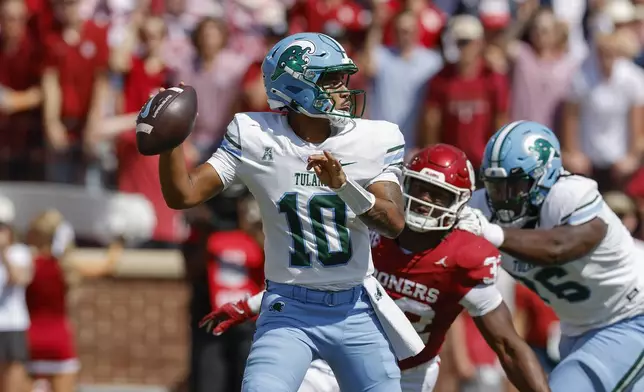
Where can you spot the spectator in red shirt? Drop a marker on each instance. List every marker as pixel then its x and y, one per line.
pixel 75 89
pixel 143 75
pixel 538 325
pixel 20 94
pixel 325 15
pixel 467 101
pixel 41 17
pixel 429 18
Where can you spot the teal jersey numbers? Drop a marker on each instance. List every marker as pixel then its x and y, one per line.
pixel 322 229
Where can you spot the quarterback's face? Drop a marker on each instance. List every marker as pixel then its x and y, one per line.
pixel 336 85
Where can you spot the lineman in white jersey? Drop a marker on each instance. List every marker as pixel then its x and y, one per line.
pixel 559 238
pixel 322 178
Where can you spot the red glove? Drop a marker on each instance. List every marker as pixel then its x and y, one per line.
pixel 229 315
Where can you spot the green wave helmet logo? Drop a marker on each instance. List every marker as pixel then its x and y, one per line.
pixel 542 149
pixel 295 58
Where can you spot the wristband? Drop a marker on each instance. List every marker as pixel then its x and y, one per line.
pixel 356 197
pixel 255 302
pixel 494 233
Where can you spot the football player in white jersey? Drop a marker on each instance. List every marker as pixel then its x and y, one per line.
pixel 322 178
pixel 558 237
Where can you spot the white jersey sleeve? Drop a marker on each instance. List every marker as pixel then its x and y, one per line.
pixel 573 200
pixel 392 154
pixel 481 300
pixel 229 155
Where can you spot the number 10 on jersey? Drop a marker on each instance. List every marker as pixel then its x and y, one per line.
pixel 316 205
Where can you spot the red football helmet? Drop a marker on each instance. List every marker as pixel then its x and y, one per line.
pixel 437 183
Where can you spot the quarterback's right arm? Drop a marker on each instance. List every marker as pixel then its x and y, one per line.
pixel 183 188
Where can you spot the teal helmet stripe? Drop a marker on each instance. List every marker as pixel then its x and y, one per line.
pixel 495 156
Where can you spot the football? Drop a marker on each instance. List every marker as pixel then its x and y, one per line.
pixel 166 120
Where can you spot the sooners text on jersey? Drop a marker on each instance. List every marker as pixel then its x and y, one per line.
pixel 429 286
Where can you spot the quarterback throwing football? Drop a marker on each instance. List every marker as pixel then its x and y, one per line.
pixel 322 178
pixel 434 271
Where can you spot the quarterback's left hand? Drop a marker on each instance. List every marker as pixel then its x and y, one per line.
pixel 472 220
pixel 328 169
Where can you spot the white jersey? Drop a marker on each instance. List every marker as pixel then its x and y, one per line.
pixel 312 238
pixel 599 289
pixel 14 315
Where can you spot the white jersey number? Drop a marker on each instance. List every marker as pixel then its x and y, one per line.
pixel 423 311
pixel 317 204
pixel 492 262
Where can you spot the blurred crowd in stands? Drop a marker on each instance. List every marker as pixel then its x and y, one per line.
pixel 74 74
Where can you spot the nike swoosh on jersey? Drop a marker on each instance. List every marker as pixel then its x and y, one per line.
pixel 442 262
pixel 146 109
pixel 347 163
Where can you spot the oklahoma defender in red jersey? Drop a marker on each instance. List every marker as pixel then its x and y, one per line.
pixel 433 271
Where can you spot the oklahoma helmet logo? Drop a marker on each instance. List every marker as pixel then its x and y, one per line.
pixel 294 59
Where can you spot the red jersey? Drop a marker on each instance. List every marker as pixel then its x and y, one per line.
pixel 253 75
pixel 469 107
pixel 430 286
pixel 431 22
pixel 20 69
pixel 50 334
pixel 138 173
pixel 237 268
pixel 77 65
pixel 316 15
